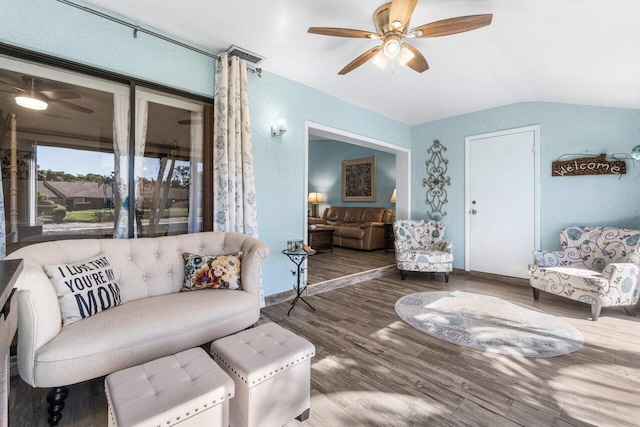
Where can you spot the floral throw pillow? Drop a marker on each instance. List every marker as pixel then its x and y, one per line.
pixel 217 272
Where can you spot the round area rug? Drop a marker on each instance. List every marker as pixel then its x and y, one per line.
pixel 489 324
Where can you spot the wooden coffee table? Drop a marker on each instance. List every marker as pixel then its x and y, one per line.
pixel 321 239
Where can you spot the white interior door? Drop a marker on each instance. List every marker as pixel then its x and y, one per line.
pixel 502 204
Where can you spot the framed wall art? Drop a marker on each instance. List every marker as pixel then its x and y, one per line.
pixel 359 180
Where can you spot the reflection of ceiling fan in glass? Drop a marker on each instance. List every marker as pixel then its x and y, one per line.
pixel 392 27
pixel 32 95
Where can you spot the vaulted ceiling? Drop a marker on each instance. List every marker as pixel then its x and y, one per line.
pixel 572 51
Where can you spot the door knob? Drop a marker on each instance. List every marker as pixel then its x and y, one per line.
pixel 473 211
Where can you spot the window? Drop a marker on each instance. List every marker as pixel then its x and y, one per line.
pixel 65 169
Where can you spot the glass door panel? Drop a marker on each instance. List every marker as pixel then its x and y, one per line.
pixel 57 161
pixel 168 165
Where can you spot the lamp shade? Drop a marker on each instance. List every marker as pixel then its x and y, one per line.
pixel 393 196
pixel 315 197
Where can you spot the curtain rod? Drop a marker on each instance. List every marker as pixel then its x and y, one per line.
pixel 138 29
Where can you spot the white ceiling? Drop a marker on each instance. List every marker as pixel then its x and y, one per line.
pixel 573 51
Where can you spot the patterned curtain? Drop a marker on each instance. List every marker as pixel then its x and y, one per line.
pixel 234 200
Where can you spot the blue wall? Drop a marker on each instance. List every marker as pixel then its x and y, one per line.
pixel 51 27
pixel 325 172
pixel 564 129
pixel 54 28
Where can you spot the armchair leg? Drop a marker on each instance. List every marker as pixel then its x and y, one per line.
pixel 446 277
pixel 630 309
pixel 55 399
pixel 595 311
pixel 536 294
pixel 402 274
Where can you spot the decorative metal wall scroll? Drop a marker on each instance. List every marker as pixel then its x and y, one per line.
pixel 436 180
pixel 593 165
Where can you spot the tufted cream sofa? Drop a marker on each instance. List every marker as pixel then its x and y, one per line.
pixel 155 319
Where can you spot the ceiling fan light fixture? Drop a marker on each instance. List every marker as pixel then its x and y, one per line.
pixel 31 102
pixel 405 56
pixel 380 60
pixel 396 25
pixel 391 47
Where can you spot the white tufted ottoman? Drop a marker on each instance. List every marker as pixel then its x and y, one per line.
pixel 187 388
pixel 271 368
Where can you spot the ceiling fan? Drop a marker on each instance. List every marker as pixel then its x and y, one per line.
pixel 32 95
pixel 392 27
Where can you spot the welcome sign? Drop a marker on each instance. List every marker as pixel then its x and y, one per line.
pixel 588 166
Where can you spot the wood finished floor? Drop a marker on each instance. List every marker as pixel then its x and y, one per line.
pixel 372 369
pixel 342 262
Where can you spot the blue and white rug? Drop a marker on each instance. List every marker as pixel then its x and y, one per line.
pixel 489 324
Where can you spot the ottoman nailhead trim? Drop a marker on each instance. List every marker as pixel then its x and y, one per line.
pixel 259 380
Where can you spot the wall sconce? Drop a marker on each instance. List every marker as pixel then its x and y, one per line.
pixel 315 198
pixel 393 196
pixel 279 128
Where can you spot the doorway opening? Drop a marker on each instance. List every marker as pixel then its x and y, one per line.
pixel 342 262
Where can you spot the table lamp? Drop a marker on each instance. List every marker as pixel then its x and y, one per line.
pixel 315 198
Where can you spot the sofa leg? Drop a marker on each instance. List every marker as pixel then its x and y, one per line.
pixel 304 416
pixel 446 277
pixel 402 274
pixel 630 309
pixel 536 294
pixel 55 399
pixel 595 311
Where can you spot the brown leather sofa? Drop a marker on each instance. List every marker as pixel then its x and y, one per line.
pixel 355 228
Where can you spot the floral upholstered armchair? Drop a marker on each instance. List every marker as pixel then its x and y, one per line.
pixel 419 247
pixel 599 266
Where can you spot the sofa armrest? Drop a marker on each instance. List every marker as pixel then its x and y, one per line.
pixel 548 258
pixel 254 252
pixel 624 277
pixel 39 316
pixel 372 224
pixel 317 221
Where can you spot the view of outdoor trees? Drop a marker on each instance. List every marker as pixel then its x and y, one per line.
pixel 91 197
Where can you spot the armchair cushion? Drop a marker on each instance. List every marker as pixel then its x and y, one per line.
pixel 579 278
pixel 427 256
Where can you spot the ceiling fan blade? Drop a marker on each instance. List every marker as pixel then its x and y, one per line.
pixel 11 85
pixel 401 11
pixel 360 60
pixel 453 25
pixel 341 32
pixel 70 106
pixel 60 94
pixel 418 62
